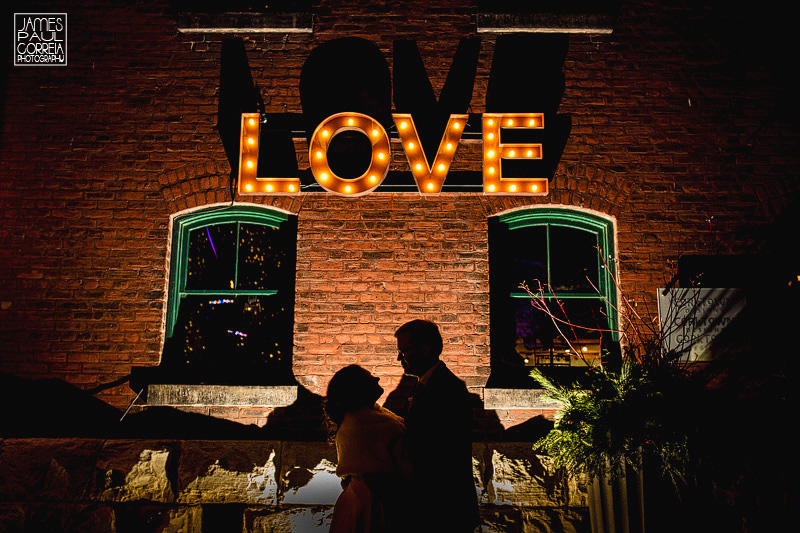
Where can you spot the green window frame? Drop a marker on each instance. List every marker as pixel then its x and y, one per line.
pixel 604 232
pixel 183 226
pixel 230 303
pixel 509 367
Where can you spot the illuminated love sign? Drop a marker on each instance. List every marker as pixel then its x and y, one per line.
pixel 429 179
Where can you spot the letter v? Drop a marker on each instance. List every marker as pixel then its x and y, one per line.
pixel 414 95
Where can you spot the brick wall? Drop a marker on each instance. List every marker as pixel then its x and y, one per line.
pixel 680 131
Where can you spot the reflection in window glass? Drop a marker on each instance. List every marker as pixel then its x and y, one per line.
pixel 541 337
pixel 573 260
pixel 236 339
pixel 211 263
pixel 260 258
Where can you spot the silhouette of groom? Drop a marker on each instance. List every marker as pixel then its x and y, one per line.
pixel 438 434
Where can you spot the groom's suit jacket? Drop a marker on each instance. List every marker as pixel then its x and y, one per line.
pixel 439 438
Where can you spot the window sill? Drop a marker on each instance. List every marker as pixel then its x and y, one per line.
pixel 517 399
pixel 159 394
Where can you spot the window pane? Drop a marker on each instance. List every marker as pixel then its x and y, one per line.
pixel 211 257
pixel 542 338
pixel 527 248
pixel 238 339
pixel 261 256
pixel 573 260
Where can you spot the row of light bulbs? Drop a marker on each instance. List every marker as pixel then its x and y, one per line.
pixel 429 178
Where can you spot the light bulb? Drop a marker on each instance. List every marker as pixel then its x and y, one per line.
pixel 441 167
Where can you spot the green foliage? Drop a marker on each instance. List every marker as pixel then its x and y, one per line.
pixel 621 418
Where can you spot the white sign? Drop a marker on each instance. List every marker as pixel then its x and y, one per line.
pixel 692 319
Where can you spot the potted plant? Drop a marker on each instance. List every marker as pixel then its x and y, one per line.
pixel 625 417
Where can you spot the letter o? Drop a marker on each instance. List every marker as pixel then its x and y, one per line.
pixel 318 154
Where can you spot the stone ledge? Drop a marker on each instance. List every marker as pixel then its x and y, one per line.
pixel 545 23
pixel 220 395
pixel 245 22
pixel 517 399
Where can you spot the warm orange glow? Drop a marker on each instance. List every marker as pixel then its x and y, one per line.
pixel 493 180
pixel 379 162
pixel 427 180
pixel 428 177
pixel 249 181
